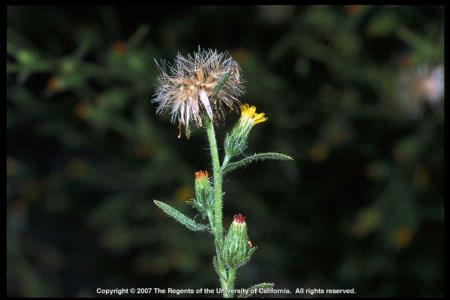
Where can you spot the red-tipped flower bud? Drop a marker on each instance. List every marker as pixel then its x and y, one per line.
pixel 200 175
pixel 236 250
pixel 203 195
pixel 239 218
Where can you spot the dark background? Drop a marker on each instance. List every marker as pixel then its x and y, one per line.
pixel 361 207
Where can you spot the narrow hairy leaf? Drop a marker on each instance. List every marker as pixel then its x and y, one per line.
pixel 253 158
pixel 181 218
pixel 262 285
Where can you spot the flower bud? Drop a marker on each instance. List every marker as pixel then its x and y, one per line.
pixel 237 247
pixel 203 192
pixel 201 181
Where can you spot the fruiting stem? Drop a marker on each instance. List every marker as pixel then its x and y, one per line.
pixel 217 174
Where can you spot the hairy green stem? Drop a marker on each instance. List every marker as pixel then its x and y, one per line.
pixel 230 283
pixel 211 220
pixel 218 227
pixel 217 174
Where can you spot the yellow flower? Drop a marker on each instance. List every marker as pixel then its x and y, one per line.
pixel 236 141
pixel 248 113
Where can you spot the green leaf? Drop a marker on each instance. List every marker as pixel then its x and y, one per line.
pixel 262 285
pixel 253 158
pixel 178 216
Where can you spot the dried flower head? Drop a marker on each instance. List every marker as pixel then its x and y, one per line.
pixel 186 88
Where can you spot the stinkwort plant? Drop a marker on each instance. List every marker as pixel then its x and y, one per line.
pixel 198 91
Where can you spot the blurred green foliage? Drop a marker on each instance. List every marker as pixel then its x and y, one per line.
pixel 362 206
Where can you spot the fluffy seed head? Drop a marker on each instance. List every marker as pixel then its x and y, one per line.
pixel 186 89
